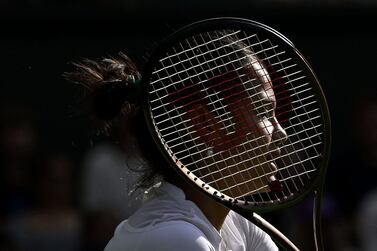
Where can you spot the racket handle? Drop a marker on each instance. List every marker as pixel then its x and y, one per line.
pixel 275 234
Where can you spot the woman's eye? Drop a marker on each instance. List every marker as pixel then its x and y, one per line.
pixel 265 113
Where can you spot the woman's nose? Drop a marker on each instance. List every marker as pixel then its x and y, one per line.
pixel 279 135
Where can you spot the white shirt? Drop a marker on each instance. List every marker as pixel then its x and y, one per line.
pixel 169 222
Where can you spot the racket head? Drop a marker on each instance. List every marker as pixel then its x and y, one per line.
pixel 192 93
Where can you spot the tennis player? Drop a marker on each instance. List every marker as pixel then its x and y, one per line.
pixel 175 215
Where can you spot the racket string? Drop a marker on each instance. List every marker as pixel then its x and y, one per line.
pixel 303 107
pixel 250 179
pixel 273 159
pixel 285 77
pixel 169 76
pixel 196 146
pixel 189 164
pixel 296 116
pixel 284 70
pixel 168 128
pixel 222 106
pixel 246 180
pixel 225 181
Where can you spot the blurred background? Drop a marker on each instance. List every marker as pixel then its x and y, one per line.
pixel 61 190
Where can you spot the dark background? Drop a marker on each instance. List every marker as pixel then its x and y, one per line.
pixel 39 39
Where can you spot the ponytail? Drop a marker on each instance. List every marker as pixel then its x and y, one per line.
pixel 110 89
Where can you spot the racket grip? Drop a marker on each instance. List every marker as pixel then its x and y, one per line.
pixel 275 234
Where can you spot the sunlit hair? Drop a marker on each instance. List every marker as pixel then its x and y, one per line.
pixel 107 83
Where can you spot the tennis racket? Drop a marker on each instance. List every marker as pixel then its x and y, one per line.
pixel 237 110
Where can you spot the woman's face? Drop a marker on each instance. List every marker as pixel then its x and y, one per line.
pixel 243 141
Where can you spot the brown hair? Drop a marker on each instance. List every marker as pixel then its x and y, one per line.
pixel 108 84
pixel 110 103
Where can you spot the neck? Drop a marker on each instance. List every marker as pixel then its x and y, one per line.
pixel 214 211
